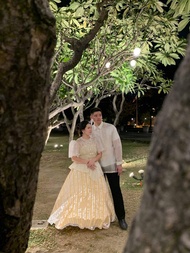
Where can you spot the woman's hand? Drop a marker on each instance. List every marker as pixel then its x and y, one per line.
pixel 91 164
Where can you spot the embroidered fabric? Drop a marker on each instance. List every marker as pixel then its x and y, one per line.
pixel 112 153
pixel 84 199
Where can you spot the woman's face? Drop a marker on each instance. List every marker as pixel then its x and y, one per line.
pixel 87 130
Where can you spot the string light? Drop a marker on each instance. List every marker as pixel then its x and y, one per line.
pixel 133 63
pixel 136 52
pixel 108 64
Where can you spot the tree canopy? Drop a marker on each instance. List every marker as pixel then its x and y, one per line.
pixel 181 10
pixel 125 25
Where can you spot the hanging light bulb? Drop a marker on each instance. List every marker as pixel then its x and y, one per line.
pixel 136 52
pixel 133 63
pixel 108 64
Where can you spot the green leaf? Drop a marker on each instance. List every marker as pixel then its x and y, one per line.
pixel 53 7
pixel 167 47
pixel 76 78
pixel 65 23
pixel 173 4
pixel 188 7
pixel 66 59
pixel 76 22
pixel 159 6
pixel 74 6
pixel 79 12
pixel 183 23
pixel 175 56
pixel 182 6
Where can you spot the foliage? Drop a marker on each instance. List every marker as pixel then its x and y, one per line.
pixel 124 78
pixel 181 9
pixel 147 24
pixel 130 24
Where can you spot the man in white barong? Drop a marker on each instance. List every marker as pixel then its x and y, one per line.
pixel 111 160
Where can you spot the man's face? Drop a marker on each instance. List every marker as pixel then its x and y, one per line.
pixel 96 117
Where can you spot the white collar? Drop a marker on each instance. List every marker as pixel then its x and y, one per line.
pixel 99 127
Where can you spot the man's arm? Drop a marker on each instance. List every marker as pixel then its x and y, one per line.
pixel 118 155
pixel 118 151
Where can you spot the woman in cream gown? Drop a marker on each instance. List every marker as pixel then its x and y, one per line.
pixel 84 199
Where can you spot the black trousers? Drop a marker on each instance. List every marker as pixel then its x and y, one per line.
pixel 114 183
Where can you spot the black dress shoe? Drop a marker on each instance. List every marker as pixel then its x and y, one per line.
pixel 123 225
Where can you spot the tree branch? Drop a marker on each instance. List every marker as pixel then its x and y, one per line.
pixel 78 46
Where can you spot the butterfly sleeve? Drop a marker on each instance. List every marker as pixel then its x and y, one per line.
pixel 73 149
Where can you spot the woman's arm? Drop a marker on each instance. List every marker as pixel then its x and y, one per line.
pixel 79 160
pixel 91 162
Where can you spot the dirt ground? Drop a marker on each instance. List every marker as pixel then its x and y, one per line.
pixel 53 171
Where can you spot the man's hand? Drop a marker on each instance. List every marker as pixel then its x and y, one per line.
pixel 119 169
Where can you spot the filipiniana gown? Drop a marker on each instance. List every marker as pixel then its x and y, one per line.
pixel 84 199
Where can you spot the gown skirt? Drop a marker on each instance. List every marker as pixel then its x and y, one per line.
pixel 84 200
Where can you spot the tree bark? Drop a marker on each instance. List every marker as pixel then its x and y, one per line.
pixel 27 43
pixel 116 111
pixel 162 224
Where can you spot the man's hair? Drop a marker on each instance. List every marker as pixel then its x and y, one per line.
pixel 95 109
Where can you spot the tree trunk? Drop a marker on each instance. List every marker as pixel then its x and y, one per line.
pixel 27 44
pixel 116 111
pixel 162 224
pixel 49 129
pixel 73 126
pixel 81 113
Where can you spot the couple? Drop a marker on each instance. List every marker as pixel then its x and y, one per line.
pixel 84 199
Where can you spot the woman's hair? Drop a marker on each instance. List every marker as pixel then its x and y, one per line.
pixel 82 125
